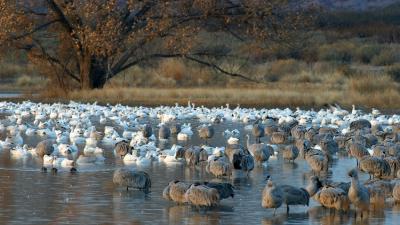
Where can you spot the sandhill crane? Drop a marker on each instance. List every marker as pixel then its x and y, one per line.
pixel 147 131
pixel 45 147
pixel 164 132
pixel 331 197
pixel 122 148
pixel 260 152
pixel 202 195
pixel 278 137
pixel 294 196
pixel 317 160
pixel 272 196
pixel 206 132
pixel 134 179
pixel 358 151
pixel 175 191
pixel 358 193
pixel 375 166
pixel 219 167
pixel 290 152
pixel 258 131
pixel 359 124
pixel 225 190
pixel 175 128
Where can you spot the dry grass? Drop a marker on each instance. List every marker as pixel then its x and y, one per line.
pixel 273 95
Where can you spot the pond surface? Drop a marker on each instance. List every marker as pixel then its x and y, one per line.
pixel 28 196
pixel 9 94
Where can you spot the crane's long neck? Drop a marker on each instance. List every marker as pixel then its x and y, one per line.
pixel 248 141
pixel 354 182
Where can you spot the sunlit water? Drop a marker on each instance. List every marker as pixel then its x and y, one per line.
pixel 9 95
pixel 28 196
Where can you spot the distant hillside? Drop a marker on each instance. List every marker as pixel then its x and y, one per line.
pixel 359 5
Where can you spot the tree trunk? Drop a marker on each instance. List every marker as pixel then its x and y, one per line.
pixel 93 72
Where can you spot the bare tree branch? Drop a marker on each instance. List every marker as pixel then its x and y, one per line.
pixel 54 60
pixel 38 28
pixel 218 68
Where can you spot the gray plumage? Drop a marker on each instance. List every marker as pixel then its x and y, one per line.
pixel 122 148
pixel 375 166
pixel 45 147
pixel 394 164
pixel 358 151
pixel 314 185
pixel 230 151
pixel 329 146
pixel 303 146
pixel 225 190
pixel 166 192
pixel 260 152
pixel 269 129
pixel 317 160
pixel 175 128
pixel 243 162
pixel 147 131
pixel 298 132
pixel 393 149
pixel 134 179
pixel 345 186
pixel 358 193
pixel 290 153
pixel 382 188
pixel 332 197
pixel 258 131
pixel 175 191
pixel 278 138
pixel 341 141
pixel 164 132
pixel 378 150
pixel 310 133
pixel 396 193
pixel 202 195
pixel 327 131
pixel 370 140
pixel 272 196
pixel 206 132
pixel 192 155
pixel 359 124
pixel 219 167
pixel 294 196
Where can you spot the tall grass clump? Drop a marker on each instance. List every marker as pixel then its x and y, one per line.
pixel 368 84
pixel 339 52
pixel 387 57
pixel 366 53
pixel 394 72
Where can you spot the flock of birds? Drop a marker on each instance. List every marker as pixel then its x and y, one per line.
pixel 70 136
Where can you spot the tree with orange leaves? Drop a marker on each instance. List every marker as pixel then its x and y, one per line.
pixel 89 42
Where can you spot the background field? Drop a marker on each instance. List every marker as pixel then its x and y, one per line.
pixel 352 57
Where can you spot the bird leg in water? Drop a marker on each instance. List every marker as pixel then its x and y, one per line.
pixel 274 211
pixel 287 209
pixel 127 188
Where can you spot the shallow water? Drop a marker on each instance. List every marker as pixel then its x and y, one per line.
pixel 28 196
pixel 9 94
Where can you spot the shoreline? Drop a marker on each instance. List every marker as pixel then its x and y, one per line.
pixel 217 97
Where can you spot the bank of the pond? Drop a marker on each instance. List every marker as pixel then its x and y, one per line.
pixel 304 96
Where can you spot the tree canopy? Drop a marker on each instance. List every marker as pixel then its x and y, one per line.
pixel 88 42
